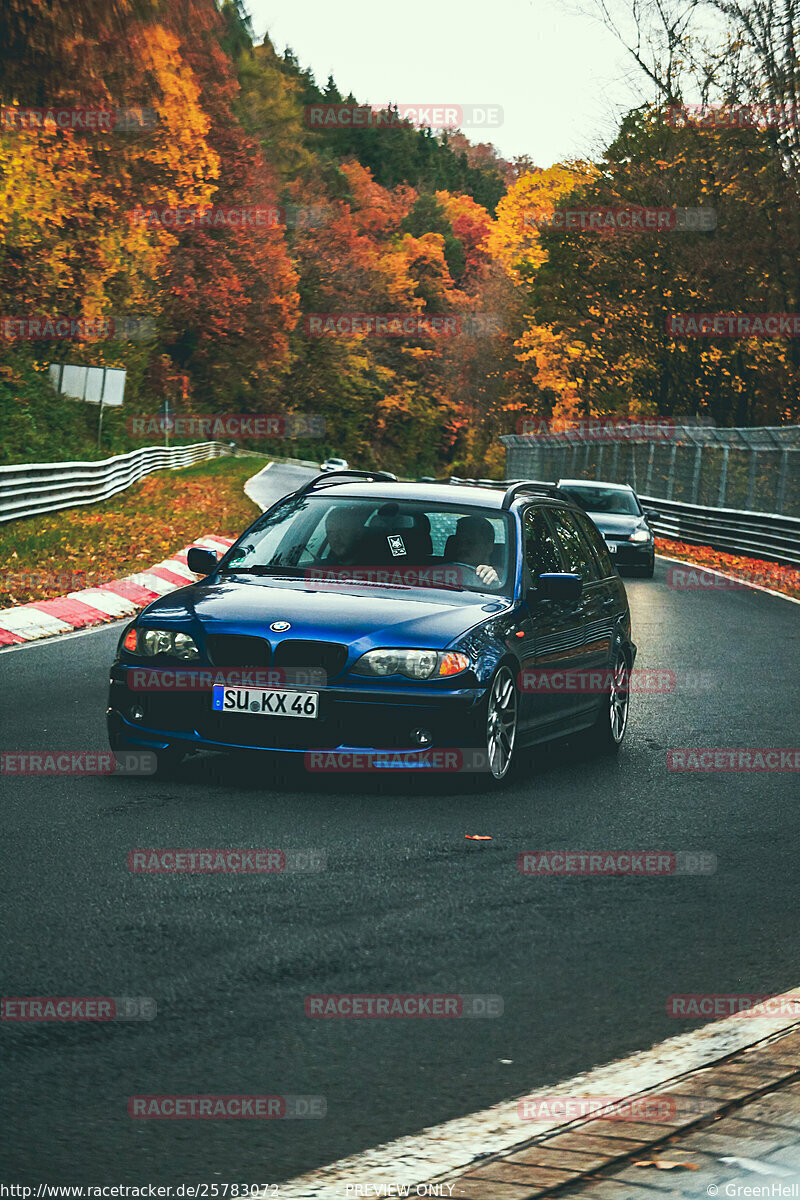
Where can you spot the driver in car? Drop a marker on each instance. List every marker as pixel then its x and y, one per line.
pixel 472 547
pixel 343 529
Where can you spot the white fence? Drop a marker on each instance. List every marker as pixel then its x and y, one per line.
pixel 27 489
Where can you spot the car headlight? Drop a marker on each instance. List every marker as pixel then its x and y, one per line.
pixel 641 535
pixel 147 643
pixel 414 664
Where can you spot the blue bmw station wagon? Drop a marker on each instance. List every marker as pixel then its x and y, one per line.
pixel 361 614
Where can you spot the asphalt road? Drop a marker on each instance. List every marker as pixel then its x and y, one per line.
pixel 406 904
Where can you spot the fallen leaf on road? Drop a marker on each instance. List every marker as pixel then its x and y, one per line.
pixel 478 837
pixel 664 1164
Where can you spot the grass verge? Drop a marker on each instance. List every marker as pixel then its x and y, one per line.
pixel 82 547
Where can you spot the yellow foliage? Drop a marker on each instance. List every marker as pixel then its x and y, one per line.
pixel 514 239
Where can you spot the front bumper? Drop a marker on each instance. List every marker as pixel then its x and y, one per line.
pixel 628 554
pixel 351 718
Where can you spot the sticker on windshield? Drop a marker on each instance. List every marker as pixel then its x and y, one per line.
pixel 396 544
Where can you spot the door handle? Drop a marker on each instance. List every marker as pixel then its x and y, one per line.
pixel 608 602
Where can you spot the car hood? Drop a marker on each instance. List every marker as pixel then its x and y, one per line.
pixel 361 616
pixel 616 524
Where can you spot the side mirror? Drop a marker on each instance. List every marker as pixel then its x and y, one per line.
pixel 564 588
pixel 650 514
pixel 202 562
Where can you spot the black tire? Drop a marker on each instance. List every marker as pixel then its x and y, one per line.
pixel 643 571
pixel 499 739
pixel 608 732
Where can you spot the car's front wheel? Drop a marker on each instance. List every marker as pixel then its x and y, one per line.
pixel 501 724
pixel 647 569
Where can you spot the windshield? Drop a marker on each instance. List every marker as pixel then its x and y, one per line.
pixel 403 543
pixel 605 500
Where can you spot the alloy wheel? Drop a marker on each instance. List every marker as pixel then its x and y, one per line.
pixel 501 723
pixel 618 697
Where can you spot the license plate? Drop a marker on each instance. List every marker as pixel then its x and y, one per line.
pixel 265 702
pixel 612 547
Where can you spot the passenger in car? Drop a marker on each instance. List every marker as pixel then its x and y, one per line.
pixel 472 544
pixel 344 528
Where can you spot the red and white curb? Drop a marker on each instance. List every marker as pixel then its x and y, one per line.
pixel 98 605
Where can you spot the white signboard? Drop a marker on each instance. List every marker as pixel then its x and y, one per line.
pixel 91 384
pixel 115 387
pixel 73 381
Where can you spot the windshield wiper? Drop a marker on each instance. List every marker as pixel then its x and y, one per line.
pixel 259 569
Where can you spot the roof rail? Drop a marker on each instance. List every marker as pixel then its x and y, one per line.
pixel 350 477
pixel 532 485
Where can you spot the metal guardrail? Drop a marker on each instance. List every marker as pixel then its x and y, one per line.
pixel 28 489
pixel 736 531
pixel 755 534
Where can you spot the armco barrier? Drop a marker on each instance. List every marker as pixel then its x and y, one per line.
pixel 27 489
pixel 755 534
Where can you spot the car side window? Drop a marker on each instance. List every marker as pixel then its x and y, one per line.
pixel 595 539
pixel 577 551
pixel 541 551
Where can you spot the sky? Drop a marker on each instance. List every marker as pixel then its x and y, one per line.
pixel 560 78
